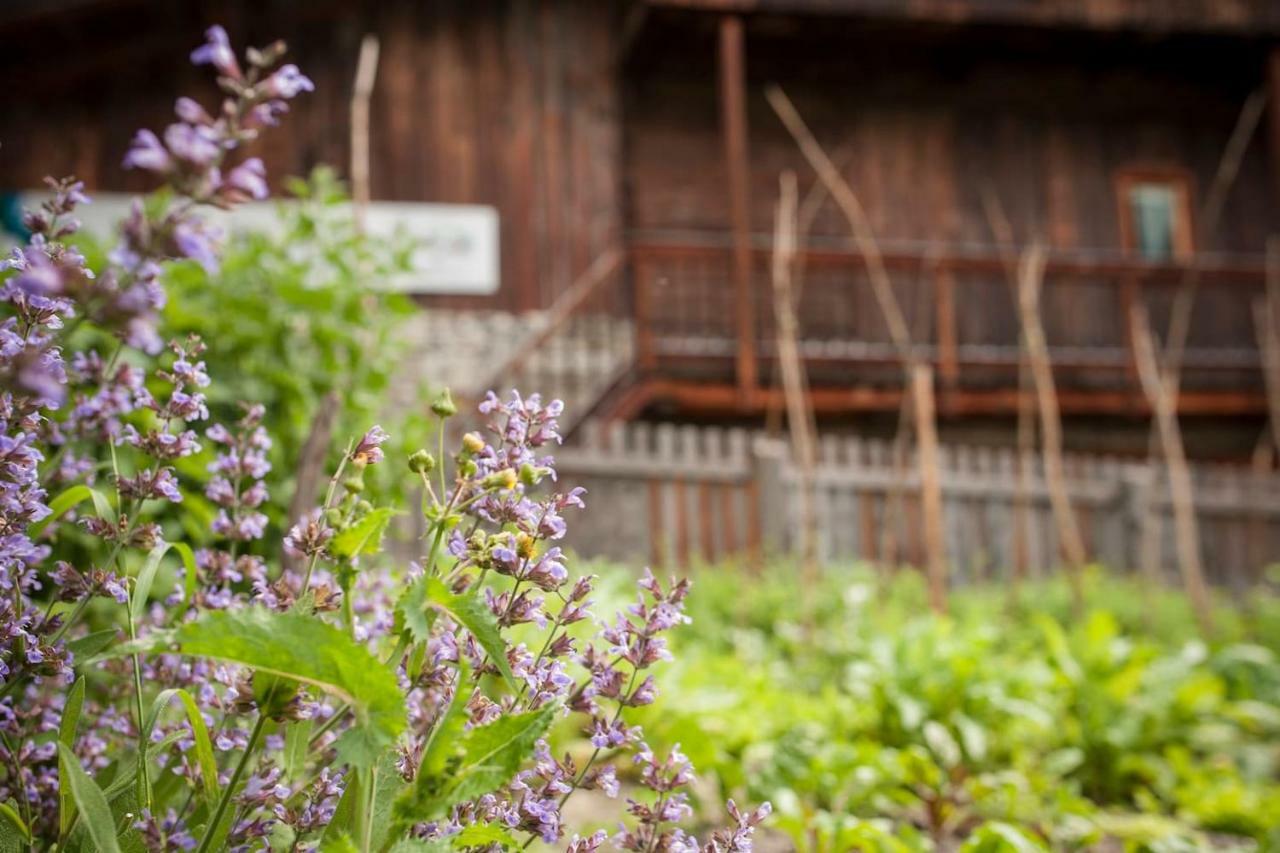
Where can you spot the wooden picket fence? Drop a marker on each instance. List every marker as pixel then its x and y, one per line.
pixel 672 495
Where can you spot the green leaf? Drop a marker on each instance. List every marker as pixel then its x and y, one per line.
pixel 456 769
pixel 484 834
pixel 200 732
pixel 147 575
pixel 68 499
pixel 67 737
pixel 10 816
pixel 306 649
pixel 95 813
pixel 492 754
pixel 414 845
pixel 90 644
pixel 297 743
pixel 467 609
pixel 127 769
pixel 363 537
pixel 338 843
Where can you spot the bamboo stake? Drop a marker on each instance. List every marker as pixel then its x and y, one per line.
pixel 1026 424
pixel 799 413
pixel 859 224
pixel 864 237
pixel 1186 532
pixel 1180 312
pixel 361 94
pixel 1030 277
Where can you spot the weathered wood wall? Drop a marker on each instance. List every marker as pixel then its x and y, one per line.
pixel 511 103
pixel 922 117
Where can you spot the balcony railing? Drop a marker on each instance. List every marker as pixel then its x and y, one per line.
pixel 960 309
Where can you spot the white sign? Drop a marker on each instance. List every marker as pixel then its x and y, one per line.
pixel 455 246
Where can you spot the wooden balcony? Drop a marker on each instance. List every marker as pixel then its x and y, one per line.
pixel 693 347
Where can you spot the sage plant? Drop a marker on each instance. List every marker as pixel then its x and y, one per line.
pixel 183 687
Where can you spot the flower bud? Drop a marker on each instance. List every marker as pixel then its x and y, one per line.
pixel 421 462
pixel 472 443
pixel 468 467
pixel 504 479
pixel 530 474
pixel 525 545
pixel 333 516
pixel 354 485
pixel 443 405
pixel 364 508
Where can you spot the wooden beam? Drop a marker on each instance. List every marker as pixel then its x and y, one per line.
pixel 733 123
pixel 945 304
pixel 694 397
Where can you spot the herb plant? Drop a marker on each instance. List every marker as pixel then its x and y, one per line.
pixel 159 696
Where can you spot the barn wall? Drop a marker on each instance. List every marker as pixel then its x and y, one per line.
pixel 922 118
pixel 511 103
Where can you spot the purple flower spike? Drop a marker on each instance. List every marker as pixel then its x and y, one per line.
pixel 248 180
pixel 286 83
pixel 146 152
pixel 216 51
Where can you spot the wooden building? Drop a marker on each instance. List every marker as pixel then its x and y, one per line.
pixel 634 162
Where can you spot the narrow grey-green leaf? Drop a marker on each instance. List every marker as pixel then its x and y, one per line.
pixel 468 609
pixel 304 648
pixel 90 644
pixel 60 506
pixel 95 813
pixel 10 815
pixel 200 734
pixel 297 743
pixel 67 736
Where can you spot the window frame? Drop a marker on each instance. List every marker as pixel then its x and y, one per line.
pixel 1182 181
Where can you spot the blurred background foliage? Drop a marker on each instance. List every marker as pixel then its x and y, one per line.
pixel 877 725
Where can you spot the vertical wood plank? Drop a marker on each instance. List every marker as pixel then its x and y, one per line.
pixel 733 117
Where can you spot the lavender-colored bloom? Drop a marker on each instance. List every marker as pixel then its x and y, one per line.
pixel 287 82
pixel 216 51
pixel 146 152
pixel 369 449
pixel 248 180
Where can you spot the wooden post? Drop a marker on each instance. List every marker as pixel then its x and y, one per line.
pixel 930 484
pixel 945 304
pixel 1273 98
pixel 733 123
pixel 361 94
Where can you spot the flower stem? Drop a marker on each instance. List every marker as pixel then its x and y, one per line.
pixel 225 800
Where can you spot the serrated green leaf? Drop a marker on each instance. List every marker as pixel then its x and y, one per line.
pixel 67 736
pixel 200 734
pixel 363 537
pixel 467 609
pixel 91 803
pixel 484 834
pixel 457 769
pixel 303 648
pixel 338 843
